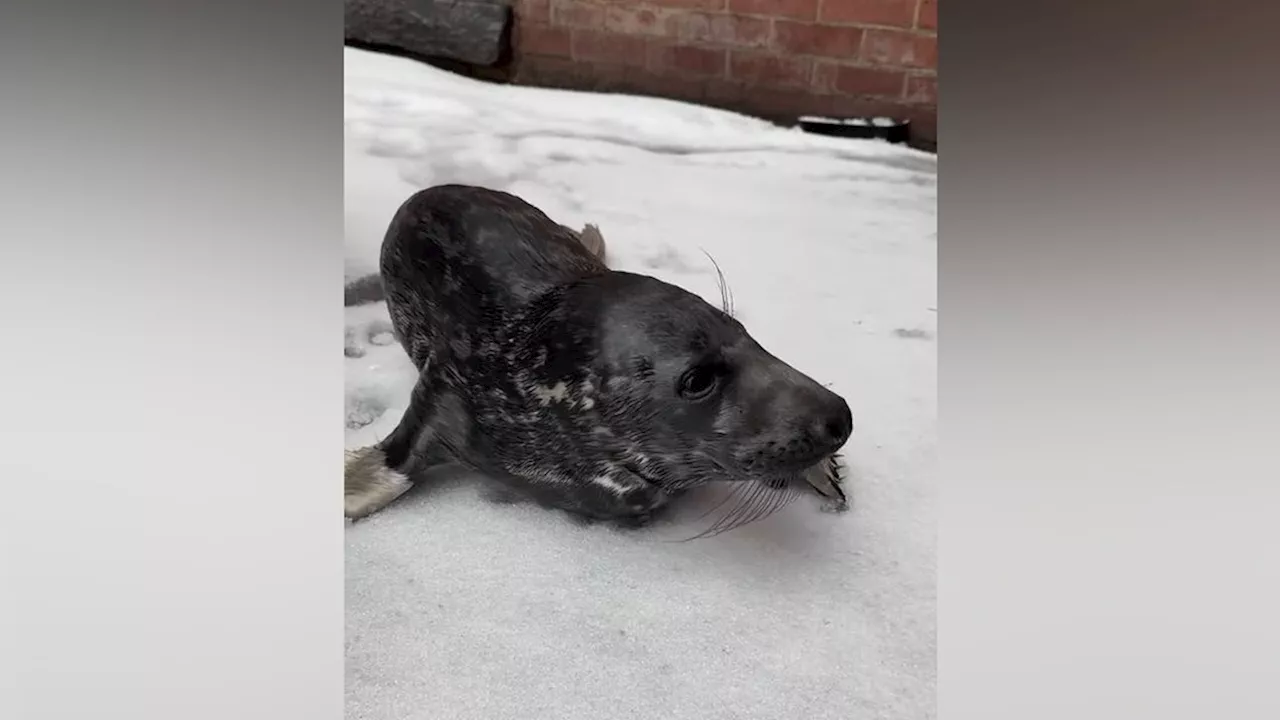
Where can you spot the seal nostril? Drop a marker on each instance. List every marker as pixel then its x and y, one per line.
pixel 834 429
pixel 839 427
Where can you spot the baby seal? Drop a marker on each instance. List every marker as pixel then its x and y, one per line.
pixel 601 392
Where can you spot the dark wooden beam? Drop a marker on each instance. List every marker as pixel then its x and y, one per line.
pixel 470 31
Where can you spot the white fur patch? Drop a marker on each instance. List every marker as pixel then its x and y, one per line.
pixel 548 395
pixel 612 485
pixel 561 392
pixel 369 485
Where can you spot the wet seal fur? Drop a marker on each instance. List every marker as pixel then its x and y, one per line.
pixel 600 392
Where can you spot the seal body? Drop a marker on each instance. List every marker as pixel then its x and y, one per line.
pixel 601 392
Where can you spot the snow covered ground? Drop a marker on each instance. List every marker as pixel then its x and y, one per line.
pixel 461 609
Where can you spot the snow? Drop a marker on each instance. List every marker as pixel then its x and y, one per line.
pixel 459 607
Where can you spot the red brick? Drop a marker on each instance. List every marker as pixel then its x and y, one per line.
pixel 824 76
pixel 895 13
pixel 758 68
pixel 607 47
pixel 552 72
pixel 852 106
pixel 543 40
pixel 809 39
pixel 794 9
pixel 675 87
pixel 784 103
pixel 685 60
pixel 922 89
pixel 928 17
pixel 631 20
pixel 924 122
pixel 870 82
pixel 608 78
pixel 689 4
pixel 904 49
pixel 725 93
pixel 576 13
pixel 533 11
pixel 733 30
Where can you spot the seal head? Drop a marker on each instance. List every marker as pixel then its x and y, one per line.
pixel 676 390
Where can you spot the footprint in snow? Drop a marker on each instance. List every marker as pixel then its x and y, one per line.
pixel 359 337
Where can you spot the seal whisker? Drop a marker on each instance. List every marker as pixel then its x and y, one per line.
pixel 736 493
pixel 763 507
pixel 735 518
pixel 727 497
pixel 743 495
pixel 781 500
pixel 767 504
pixel 726 294
pixel 749 509
pixel 760 503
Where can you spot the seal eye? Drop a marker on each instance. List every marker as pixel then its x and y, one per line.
pixel 698 382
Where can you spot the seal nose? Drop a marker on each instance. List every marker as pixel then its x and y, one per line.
pixel 835 427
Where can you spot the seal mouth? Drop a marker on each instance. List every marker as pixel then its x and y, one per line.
pixel 822 476
pixel 724 468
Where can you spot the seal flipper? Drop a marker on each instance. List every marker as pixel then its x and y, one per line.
pixel 593 241
pixel 375 476
pixel 616 495
pixel 825 479
pixel 590 239
pixel 369 484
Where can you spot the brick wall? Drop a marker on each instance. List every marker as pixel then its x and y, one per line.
pixel 773 58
